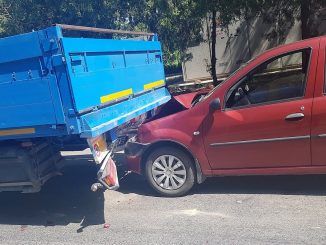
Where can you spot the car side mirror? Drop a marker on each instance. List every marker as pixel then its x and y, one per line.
pixel 215 104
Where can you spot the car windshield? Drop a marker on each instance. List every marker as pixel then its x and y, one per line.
pixel 220 84
pixel 213 90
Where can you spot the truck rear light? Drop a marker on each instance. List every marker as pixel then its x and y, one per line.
pixel 108 175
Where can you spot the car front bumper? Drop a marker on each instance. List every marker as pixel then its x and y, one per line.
pixel 134 152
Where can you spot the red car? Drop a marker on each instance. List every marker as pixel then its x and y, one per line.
pixel 268 118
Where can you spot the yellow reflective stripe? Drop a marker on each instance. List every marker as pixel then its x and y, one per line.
pixel 17 131
pixel 115 96
pixel 154 84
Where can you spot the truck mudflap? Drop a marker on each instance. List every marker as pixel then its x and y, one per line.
pixel 107 175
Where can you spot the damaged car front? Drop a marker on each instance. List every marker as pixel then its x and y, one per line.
pixel 167 149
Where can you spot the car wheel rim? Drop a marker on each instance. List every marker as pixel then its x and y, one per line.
pixel 169 172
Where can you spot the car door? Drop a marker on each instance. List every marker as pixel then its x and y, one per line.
pixel 318 129
pixel 266 117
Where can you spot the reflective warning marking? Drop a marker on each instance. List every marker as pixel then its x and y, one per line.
pixel 17 131
pixel 154 84
pixel 115 96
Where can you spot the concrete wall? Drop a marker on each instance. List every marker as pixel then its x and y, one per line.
pixel 239 45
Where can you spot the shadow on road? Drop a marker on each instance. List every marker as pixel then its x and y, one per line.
pixel 314 185
pixel 67 199
pixel 63 200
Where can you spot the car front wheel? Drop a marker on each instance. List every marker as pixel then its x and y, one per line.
pixel 170 171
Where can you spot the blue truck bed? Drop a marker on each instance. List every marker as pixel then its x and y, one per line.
pixel 51 85
pixel 57 89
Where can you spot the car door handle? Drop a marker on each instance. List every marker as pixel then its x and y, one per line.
pixel 294 117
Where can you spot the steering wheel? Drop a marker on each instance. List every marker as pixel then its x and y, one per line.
pixel 244 95
pixel 197 99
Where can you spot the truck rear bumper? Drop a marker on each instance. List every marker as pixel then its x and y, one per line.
pixel 103 120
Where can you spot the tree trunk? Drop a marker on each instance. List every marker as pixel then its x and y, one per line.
pixel 246 18
pixel 213 57
pixel 305 14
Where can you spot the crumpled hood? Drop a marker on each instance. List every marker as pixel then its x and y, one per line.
pixel 177 104
pixel 186 99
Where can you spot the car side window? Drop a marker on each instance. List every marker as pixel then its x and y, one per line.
pixel 280 78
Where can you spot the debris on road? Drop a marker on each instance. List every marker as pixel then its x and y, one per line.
pixel 106 226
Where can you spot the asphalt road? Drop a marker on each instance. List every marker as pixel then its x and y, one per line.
pixel 229 210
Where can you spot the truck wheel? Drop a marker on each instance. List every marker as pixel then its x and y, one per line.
pixel 170 171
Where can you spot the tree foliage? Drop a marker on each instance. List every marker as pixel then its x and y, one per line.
pixel 27 15
pixel 177 22
pixel 279 14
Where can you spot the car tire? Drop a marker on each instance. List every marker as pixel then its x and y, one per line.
pixel 170 171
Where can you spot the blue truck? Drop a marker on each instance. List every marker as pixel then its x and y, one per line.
pixel 56 90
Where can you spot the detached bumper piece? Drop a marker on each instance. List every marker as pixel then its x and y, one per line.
pixel 26 169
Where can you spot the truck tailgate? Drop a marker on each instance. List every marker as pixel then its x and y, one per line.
pixel 104 71
pixel 54 85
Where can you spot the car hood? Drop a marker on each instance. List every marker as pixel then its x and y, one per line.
pixel 186 99
pixel 176 104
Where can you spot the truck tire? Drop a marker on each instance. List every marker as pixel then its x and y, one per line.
pixel 170 171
